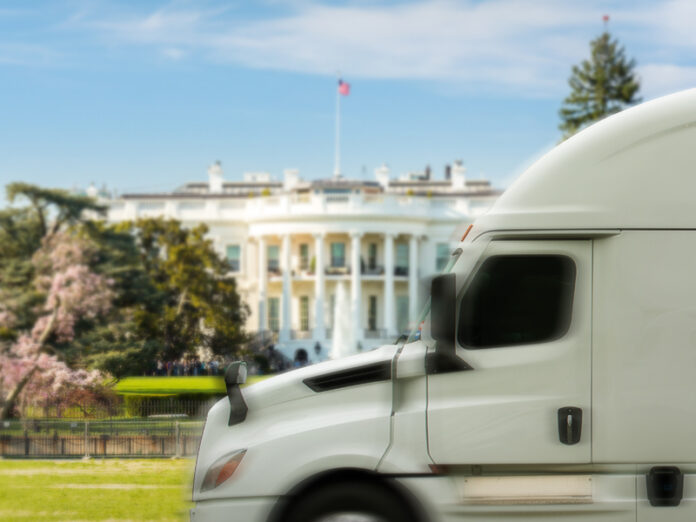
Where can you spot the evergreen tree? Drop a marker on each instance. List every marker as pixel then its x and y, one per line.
pixel 603 85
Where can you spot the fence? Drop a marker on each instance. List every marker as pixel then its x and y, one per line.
pixel 120 407
pixel 113 438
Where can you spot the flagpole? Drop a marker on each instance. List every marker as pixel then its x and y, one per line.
pixel 337 143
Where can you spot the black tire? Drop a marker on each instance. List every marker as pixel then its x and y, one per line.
pixel 366 498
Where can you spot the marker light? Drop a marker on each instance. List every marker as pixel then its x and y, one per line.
pixel 468 229
pixel 221 470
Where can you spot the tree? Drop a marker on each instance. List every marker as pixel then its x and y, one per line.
pixel 603 85
pixel 200 305
pixel 48 291
pixel 74 294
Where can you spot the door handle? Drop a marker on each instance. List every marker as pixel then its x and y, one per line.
pixel 569 425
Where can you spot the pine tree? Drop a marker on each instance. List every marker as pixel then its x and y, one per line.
pixel 603 85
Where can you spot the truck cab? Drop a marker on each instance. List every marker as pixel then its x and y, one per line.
pixel 551 377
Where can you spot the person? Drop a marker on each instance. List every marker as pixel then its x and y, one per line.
pixel 317 348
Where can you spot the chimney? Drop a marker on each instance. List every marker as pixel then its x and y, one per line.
pixel 448 172
pixel 382 175
pixel 459 175
pixel 215 178
pixel 291 178
pixel 427 172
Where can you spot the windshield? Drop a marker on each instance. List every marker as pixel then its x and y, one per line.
pixel 462 263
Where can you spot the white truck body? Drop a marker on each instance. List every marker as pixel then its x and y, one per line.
pixel 605 225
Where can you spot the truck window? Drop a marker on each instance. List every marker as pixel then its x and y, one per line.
pixel 517 299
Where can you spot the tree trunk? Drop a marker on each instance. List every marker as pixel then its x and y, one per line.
pixel 9 404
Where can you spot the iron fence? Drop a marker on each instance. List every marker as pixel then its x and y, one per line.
pixel 124 438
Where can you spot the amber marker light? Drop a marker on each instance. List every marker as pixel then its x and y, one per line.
pixel 221 470
pixel 468 229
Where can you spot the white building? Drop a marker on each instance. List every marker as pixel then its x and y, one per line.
pixel 291 244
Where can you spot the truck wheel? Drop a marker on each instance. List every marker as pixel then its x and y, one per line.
pixel 350 502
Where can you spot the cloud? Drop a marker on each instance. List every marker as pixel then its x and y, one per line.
pixel 497 45
pixel 28 55
pixel 658 79
pixel 173 53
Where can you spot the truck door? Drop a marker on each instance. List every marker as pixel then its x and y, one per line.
pixel 524 328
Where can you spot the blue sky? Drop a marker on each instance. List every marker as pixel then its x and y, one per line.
pixel 143 96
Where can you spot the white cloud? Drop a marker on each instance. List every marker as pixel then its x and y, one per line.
pixel 173 53
pixel 659 79
pixel 28 55
pixel 494 45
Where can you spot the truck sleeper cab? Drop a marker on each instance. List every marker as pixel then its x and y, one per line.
pixel 553 378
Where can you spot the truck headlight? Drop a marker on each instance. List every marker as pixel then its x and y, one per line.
pixel 222 469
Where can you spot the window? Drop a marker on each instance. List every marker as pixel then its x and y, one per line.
pixel 274 314
pixel 518 299
pixel 273 258
pixel 304 256
pixel 372 313
pixel 442 256
pixel 372 256
pixel 402 313
pixel 332 306
pixel 338 255
pixel 402 259
pixel 233 257
pixel 304 313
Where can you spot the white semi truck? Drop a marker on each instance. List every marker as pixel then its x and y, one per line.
pixel 554 377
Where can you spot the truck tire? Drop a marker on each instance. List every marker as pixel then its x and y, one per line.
pixel 351 502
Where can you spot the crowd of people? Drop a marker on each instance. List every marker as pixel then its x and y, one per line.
pixel 188 367
pixel 267 360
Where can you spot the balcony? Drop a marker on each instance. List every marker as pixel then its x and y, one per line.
pixel 374 270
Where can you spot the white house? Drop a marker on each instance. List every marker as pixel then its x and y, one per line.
pixel 292 244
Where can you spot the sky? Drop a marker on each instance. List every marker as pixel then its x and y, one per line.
pixel 142 96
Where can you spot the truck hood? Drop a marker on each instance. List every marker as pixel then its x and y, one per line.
pixel 293 385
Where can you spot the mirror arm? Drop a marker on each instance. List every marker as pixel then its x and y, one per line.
pixel 444 361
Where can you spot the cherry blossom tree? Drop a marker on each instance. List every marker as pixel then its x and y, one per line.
pixel 64 292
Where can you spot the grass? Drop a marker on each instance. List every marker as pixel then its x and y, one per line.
pixel 116 490
pixel 176 385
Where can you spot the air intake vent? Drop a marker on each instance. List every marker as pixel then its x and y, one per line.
pixel 351 377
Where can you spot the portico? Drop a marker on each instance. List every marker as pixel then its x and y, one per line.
pixel 363 259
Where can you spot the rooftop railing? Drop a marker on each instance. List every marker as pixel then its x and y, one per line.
pixel 265 207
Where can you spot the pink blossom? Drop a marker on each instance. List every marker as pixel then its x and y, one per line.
pixel 73 291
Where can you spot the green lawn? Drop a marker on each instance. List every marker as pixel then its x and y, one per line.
pixel 116 490
pixel 176 385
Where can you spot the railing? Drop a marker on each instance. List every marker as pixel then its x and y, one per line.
pixel 282 205
pixel 374 270
pixel 378 333
pixel 50 438
pixel 120 407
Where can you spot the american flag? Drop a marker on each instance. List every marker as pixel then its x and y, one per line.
pixel 343 88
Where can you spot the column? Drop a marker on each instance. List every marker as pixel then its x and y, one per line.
pixel 263 284
pixel 413 279
pixel 355 286
pixel 319 288
pixel 285 325
pixel 389 317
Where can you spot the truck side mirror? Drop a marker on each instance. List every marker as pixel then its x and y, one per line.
pixel 443 306
pixel 443 324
